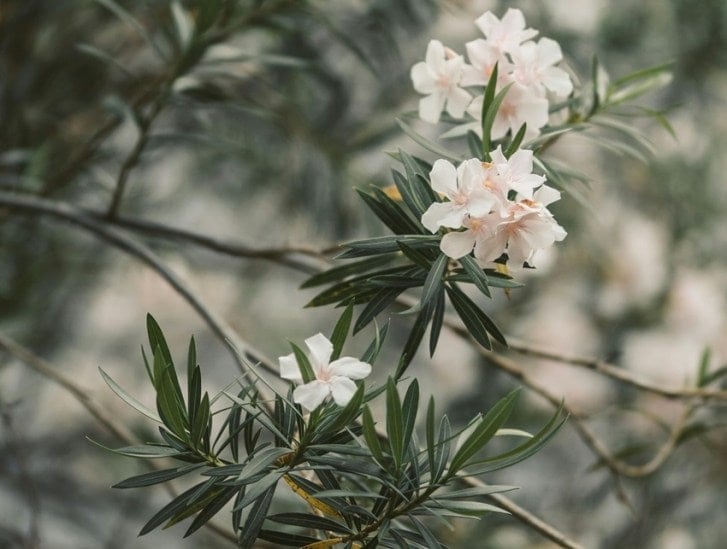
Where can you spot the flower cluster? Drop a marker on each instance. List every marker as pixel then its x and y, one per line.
pixel 501 205
pixel 528 67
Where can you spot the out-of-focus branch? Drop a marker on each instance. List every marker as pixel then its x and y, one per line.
pixel 96 411
pixel 244 354
pixel 616 373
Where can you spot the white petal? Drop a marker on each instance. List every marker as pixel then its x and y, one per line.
pixel 458 244
pixel 430 107
pixel 435 56
pixel 289 368
pixel 457 102
pixel 481 203
pixel 489 249
pixel 342 390
pixel 440 213
pixel 546 195
pixel 557 81
pixel 311 395
pixel 350 367
pixel 444 177
pixel 422 78
pixel 549 52
pixel 320 350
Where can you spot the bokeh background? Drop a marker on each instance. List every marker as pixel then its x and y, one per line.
pixel 262 143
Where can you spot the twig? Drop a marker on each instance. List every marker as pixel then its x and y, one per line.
pixel 96 411
pixel 615 372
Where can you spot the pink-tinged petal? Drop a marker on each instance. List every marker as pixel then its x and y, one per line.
pixel 289 368
pixel 557 81
pixel 487 22
pixel 548 52
pixel 422 78
pixel 311 395
pixel 481 203
pixel 457 244
pixel 430 107
pixel 320 349
pixel 471 174
pixel 342 389
pixel 490 248
pixel 435 56
pixel 455 218
pixel 457 102
pixel 546 195
pixel 521 162
pixel 498 156
pixel 444 178
pixel 350 367
pixel 432 218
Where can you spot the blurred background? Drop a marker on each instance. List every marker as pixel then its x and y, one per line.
pixel 260 139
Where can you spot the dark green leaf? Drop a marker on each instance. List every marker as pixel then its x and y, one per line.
pixel 437 322
pixel 346 270
pixel 157 477
pixel 409 409
pixel 157 340
pixel 340 331
pixel 383 299
pixel 516 141
pixel 313 522
pixel 306 370
pixel 285 539
pixel 477 322
pixel 476 273
pixel 256 517
pixel 211 509
pixel 485 430
pixel 374 348
pixel 370 435
pixel 395 423
pixel 387 244
pixel 434 285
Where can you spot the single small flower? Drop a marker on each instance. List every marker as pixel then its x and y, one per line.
pixel 466 189
pixel 332 378
pixel 439 77
pixel 519 106
pixel 534 67
pixel 516 172
pixel 505 34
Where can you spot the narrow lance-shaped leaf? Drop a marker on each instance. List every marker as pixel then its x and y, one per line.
pixel 394 423
pixel 340 331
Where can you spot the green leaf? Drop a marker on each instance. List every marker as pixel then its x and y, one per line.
pixel 387 244
pixel 484 431
pixel 475 144
pixel 638 83
pixel 429 145
pixel 372 439
pixel 472 508
pixel 171 509
pixel 442 449
pixel 389 213
pixel 395 423
pixel 415 337
pixel 430 540
pixel 306 370
pixel 157 342
pixel 313 522
pixel 256 517
pixel 285 539
pixel 475 320
pixel 430 432
pixel 383 299
pixel 434 285
pixel 340 331
pixel 409 409
pixel 201 424
pixel 261 461
pixel 210 509
pixel 476 274
pixel 126 397
pixel 145 451
pixel 343 271
pixel 423 258
pixel 260 490
pixel 477 491
pixel 522 451
pixel 437 322
pixel 372 352
pixel 157 477
pixel 416 193
pixel 489 119
pixel 346 415
pixel 168 405
pixel 516 141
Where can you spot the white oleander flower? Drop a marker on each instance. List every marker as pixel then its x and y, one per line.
pixel 505 34
pixel 439 77
pixel 519 106
pixel 516 172
pixel 332 378
pixel 483 57
pixel 466 189
pixel 534 67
